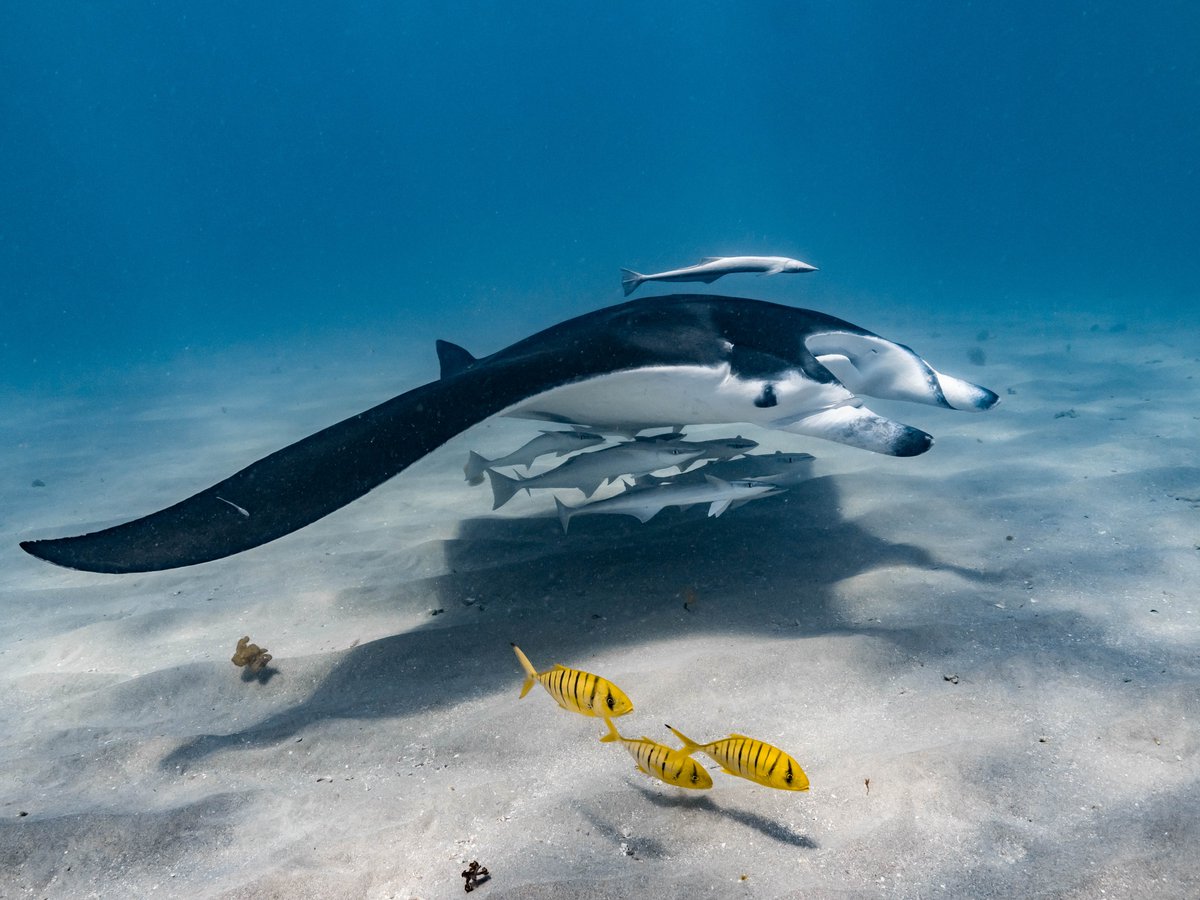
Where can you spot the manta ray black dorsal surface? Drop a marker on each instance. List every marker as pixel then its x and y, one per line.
pixel 641 364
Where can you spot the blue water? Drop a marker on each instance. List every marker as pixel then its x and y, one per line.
pixel 188 175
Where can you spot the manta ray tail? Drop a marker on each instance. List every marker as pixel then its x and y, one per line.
pixel 631 280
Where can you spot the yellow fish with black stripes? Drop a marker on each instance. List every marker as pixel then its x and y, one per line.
pixel 662 762
pixel 575 690
pixel 746 757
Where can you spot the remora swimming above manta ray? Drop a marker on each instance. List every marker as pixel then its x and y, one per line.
pixel 655 362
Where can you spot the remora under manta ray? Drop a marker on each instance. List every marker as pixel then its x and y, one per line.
pixel 684 359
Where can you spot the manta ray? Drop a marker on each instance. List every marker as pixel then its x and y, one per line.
pixel 684 359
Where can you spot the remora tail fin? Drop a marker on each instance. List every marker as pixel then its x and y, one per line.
pixel 631 280
pixel 503 488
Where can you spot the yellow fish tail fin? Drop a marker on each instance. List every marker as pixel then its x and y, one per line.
pixel 689 746
pixel 530 672
pixel 613 734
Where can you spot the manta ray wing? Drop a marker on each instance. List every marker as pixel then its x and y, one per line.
pixel 278 494
pixel 307 480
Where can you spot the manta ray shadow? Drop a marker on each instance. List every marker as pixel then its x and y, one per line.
pixel 767 568
pixel 777 831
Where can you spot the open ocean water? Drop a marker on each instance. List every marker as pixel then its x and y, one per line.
pixel 191 177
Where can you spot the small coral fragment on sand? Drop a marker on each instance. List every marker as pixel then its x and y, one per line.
pixel 251 655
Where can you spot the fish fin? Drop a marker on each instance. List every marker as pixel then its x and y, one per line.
pixel 453 358
pixel 742 737
pixel 503 488
pixel 631 280
pixel 644 514
pixel 870 365
pixel 858 427
pixel 613 734
pixel 774 270
pixel 708 259
pixel 590 488
pixel 718 507
pixel 475 467
pixel 684 507
pixel 530 671
pixel 564 513
pixel 689 746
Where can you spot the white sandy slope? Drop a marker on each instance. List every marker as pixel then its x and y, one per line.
pixel 1002 635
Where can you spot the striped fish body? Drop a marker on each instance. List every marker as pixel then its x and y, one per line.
pixel 662 762
pixel 752 759
pixel 575 690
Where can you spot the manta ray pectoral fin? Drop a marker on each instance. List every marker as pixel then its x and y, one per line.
pixel 874 367
pixel 859 427
pixel 965 395
pixel 303 482
pixel 453 358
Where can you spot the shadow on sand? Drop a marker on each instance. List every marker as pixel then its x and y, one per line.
pixel 767 569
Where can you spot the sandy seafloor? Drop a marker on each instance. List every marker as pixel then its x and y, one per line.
pixel 1002 635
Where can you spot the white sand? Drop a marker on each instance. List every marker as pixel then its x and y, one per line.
pixel 1047 564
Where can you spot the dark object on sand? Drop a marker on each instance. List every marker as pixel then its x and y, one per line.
pixel 475 874
pixel 251 655
pixel 1067 414
pixel 976 356
pixel 37 482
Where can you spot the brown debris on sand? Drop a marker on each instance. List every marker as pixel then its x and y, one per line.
pixel 251 655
